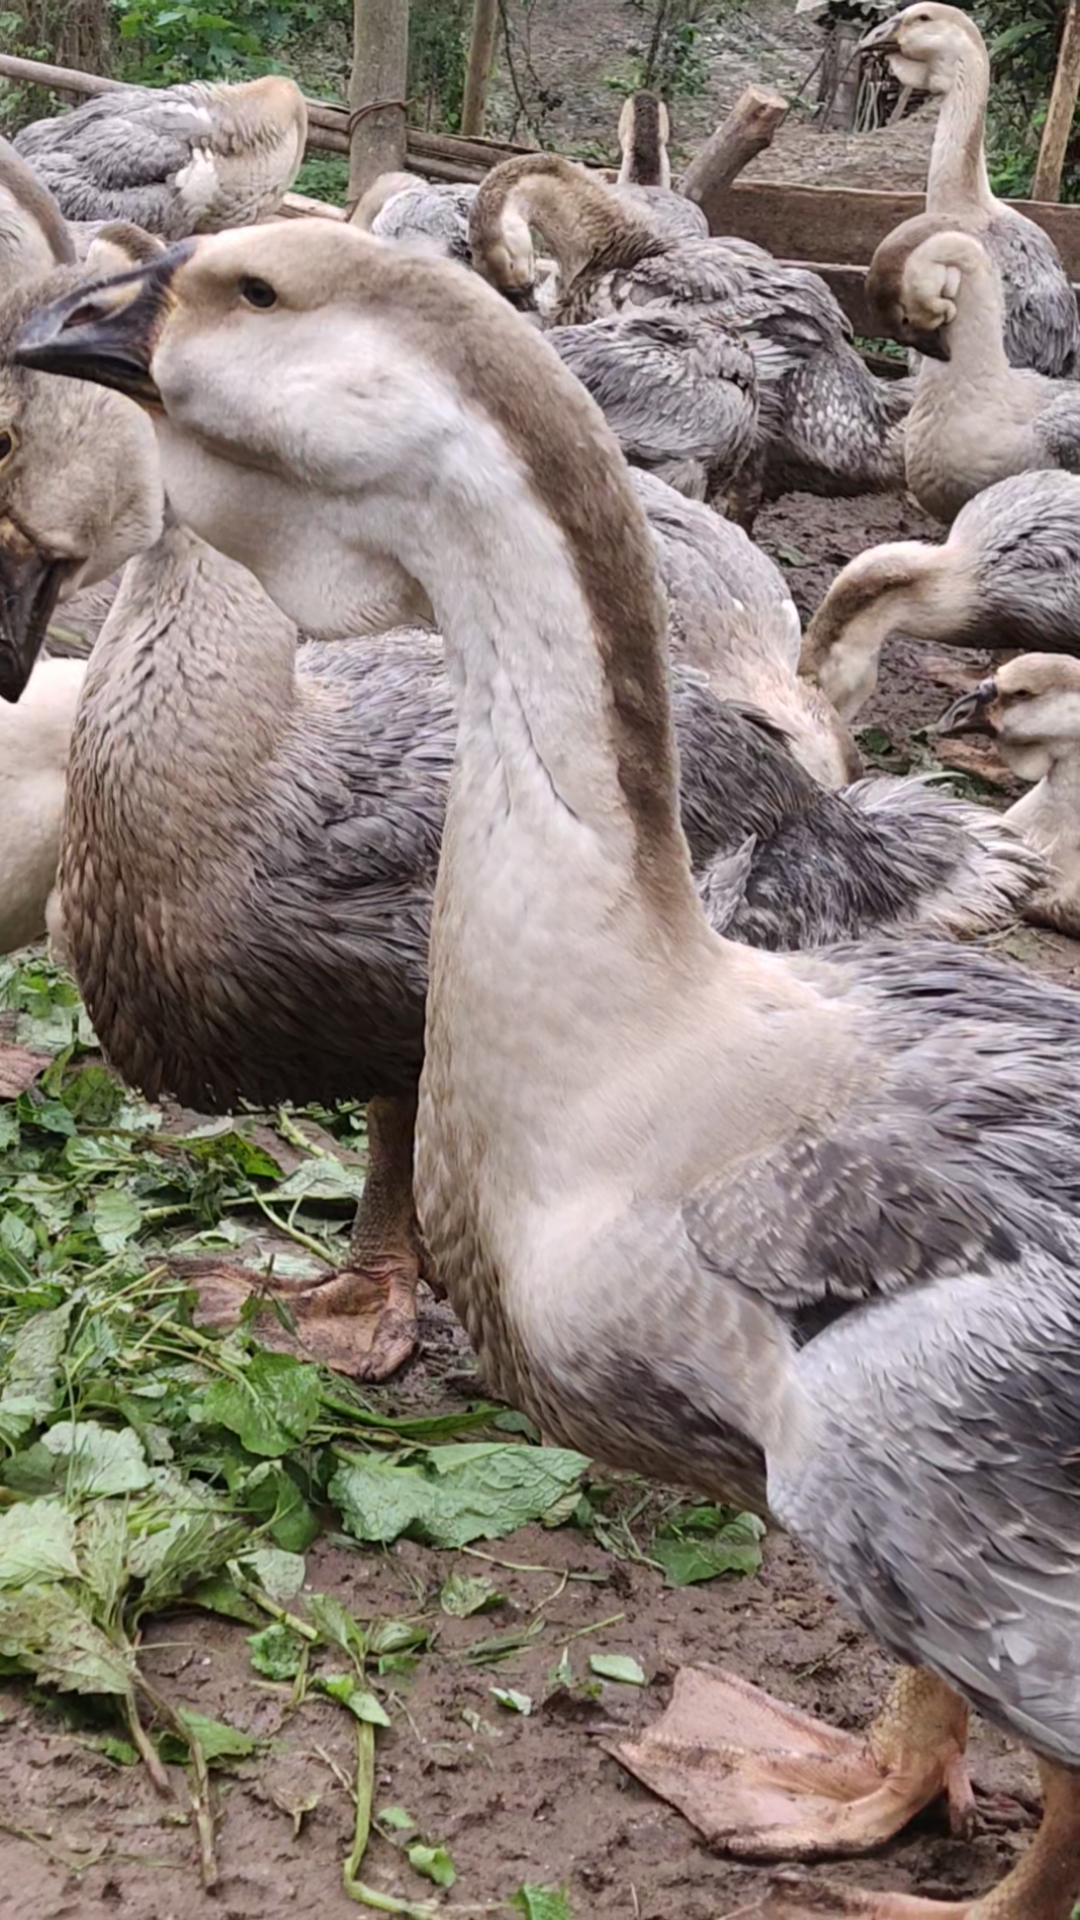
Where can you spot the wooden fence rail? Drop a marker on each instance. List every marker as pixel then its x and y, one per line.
pixel 833 229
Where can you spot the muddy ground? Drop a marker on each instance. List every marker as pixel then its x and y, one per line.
pixel 516 1799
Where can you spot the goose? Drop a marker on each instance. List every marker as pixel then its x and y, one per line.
pixel 731 616
pixel 679 392
pixel 402 206
pixel 644 177
pixel 284 954
pixel 974 419
pixel 34 741
pixel 174 160
pixel 940 48
pixel 801 1228
pixel 1031 707
pixel 830 426
pixel 1007 576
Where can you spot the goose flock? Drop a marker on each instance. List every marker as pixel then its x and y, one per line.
pixel 444 680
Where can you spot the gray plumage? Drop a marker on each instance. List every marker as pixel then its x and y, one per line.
pixel 828 425
pixel 1018 550
pixel 670 212
pixel 1042 322
pixel 175 160
pixel 253 833
pixel 433 214
pixel 678 391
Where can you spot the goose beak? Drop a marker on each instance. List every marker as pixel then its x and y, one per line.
pixel 30 585
pixel 884 38
pixel 523 298
pixel 107 333
pixel 969 713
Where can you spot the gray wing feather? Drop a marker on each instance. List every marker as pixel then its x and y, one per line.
pixel 1042 325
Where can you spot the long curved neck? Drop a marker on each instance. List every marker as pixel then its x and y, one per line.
pixel 958 181
pixel 190 684
pixel 582 223
pixel 907 587
pixel 976 334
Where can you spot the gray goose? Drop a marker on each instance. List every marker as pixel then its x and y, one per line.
pixel 974 418
pixel 1007 576
pixel 940 48
pixel 644 177
pixel 806 1225
pixel 174 160
pixel 828 425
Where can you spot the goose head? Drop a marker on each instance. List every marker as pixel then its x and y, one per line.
pixel 644 132
pixel 916 280
pixel 307 375
pixel 73 517
pixel 927 45
pixel 1030 706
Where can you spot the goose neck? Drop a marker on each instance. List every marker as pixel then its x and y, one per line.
pixel 958 181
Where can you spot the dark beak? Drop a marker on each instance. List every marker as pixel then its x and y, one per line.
pixel 30 584
pixel 523 298
pixel 107 333
pixel 882 39
pixel 931 341
pixel 969 713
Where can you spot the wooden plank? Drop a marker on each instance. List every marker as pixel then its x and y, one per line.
pixel 1059 115
pixel 747 130
pixel 846 224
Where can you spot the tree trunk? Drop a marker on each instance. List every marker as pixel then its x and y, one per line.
pixel 481 60
pixel 377 91
pixel 748 129
pixel 1059 118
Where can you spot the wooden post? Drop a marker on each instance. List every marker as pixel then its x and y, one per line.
pixel 481 60
pixel 1059 117
pixel 747 130
pixel 377 91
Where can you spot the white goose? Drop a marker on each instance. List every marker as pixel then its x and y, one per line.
pixel 712 1213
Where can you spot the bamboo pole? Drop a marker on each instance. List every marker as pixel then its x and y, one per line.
pixel 1059 117
pixel 481 60
pixel 377 87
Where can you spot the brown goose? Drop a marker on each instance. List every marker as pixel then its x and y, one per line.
pixel 713 1214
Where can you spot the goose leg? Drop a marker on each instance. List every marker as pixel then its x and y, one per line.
pixel 763 1779
pixel 362 1319
pixel 1044 1886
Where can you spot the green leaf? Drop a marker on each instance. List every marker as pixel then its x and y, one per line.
pixel 279 1574
pixel 103 1550
pixel 462 1595
pixel 448 1496
pixel 617 1666
pixel 396 1819
pixel 336 1626
pixel 116 1218
pixel 183 1533
pixel 273 1406
pixel 51 1636
pixel 543 1903
pixel 433 1862
pixel 32 1372
pixel 97 1460
pixel 513 1702
pixel 37 1544
pixel 735 1547
pixel 222 1595
pixel 217 1739
pixel 272 1496
pixel 344 1688
pixel 276 1652
pixel 324 1178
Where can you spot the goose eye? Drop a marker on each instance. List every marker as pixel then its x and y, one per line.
pixel 258 293
pixel 9 440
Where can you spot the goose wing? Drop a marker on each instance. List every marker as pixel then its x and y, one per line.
pixel 1058 427
pixel 671 387
pixel 1042 326
pixel 117 157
